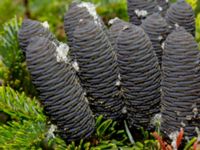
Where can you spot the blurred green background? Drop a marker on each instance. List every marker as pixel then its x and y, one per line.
pixel 54 10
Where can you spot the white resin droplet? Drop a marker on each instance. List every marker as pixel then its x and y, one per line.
pixel 141 13
pixel 50 133
pixel 160 8
pixel 75 66
pixel 45 24
pixel 92 10
pixel 118 83
pixel 111 21
pixel 160 38
pixel 62 53
pixel 177 25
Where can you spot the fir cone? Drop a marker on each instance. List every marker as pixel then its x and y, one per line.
pixel 140 76
pixel 61 94
pixel 31 28
pixel 181 14
pixel 72 18
pixel 180 84
pixel 116 26
pixel 76 12
pixel 140 9
pixel 97 69
pixel 163 5
pixel 157 29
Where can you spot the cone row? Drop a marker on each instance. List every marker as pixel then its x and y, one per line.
pixel 133 67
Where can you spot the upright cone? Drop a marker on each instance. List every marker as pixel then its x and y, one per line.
pixel 163 5
pixel 157 29
pixel 116 26
pixel 61 94
pixel 181 14
pixel 140 9
pixel 98 69
pixel 180 84
pixel 77 12
pixel 140 76
pixel 31 28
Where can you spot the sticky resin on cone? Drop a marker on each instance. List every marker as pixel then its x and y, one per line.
pixel 59 90
pixel 140 76
pixel 140 9
pixel 180 84
pixel 31 28
pixel 98 69
pixel 181 14
pixel 157 29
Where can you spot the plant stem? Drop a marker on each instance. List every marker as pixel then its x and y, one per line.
pixel 27 10
pixel 128 133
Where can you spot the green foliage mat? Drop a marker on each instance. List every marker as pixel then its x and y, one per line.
pixel 24 126
pixel 12 62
